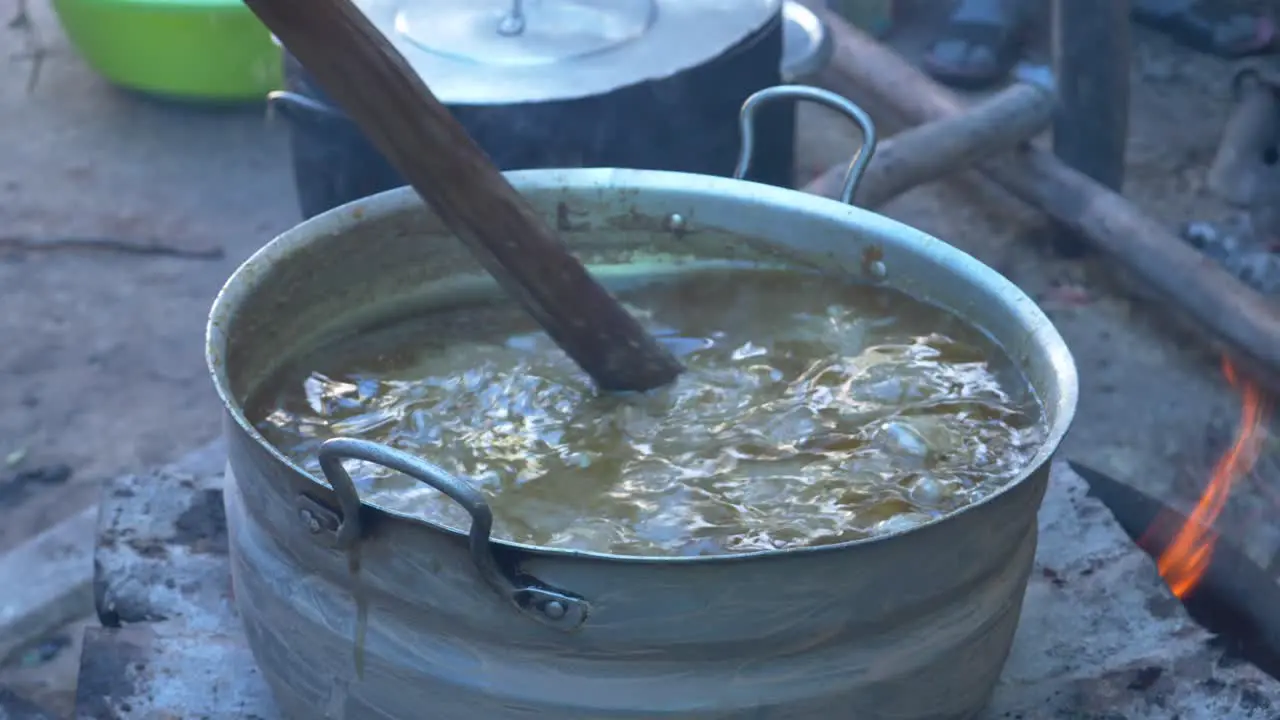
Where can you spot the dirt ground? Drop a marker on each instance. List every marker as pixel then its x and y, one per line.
pixel 101 351
pixel 101 366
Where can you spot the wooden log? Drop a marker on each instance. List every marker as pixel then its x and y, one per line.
pixel 1091 125
pixel 1240 162
pixel 1244 321
pixel 360 69
pixel 936 149
pixel 1234 597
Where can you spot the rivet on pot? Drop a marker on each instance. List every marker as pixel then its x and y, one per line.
pixel 554 610
pixel 315 517
pixel 310 520
pixel 676 223
pixel 878 269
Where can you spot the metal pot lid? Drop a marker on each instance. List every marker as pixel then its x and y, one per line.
pixel 489 52
pixel 806 45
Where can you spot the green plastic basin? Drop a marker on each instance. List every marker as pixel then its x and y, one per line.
pixel 200 50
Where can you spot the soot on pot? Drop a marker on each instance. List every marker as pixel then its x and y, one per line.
pixel 813 411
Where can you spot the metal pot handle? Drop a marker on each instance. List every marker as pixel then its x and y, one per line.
pixel 551 607
pixel 300 108
pixel 857 167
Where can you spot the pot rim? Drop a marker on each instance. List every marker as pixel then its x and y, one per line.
pixel 350 215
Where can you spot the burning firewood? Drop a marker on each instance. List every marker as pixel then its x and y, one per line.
pixel 1228 594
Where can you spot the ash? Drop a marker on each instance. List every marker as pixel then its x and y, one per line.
pixel 1244 246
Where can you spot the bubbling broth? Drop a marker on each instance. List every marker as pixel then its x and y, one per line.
pixel 812 411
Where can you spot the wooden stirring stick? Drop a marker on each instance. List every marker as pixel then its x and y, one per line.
pixel 363 72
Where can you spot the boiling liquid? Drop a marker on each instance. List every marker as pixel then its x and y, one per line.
pixel 812 411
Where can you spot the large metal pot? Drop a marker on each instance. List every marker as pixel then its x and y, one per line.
pixel 356 612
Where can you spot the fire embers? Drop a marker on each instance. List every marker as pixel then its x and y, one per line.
pixel 1186 558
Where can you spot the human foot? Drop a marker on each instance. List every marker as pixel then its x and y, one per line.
pixel 1215 28
pixel 980 44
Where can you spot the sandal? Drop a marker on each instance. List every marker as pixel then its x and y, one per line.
pixel 1213 29
pixel 991 49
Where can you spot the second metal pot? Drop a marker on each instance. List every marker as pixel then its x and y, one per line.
pixel 685 122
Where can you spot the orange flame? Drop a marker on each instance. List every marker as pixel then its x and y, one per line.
pixel 1184 562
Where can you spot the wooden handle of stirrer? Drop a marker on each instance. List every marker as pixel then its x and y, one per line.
pixel 360 69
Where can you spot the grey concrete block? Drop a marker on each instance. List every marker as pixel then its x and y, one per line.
pixel 162 545
pixel 46 582
pixel 166 670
